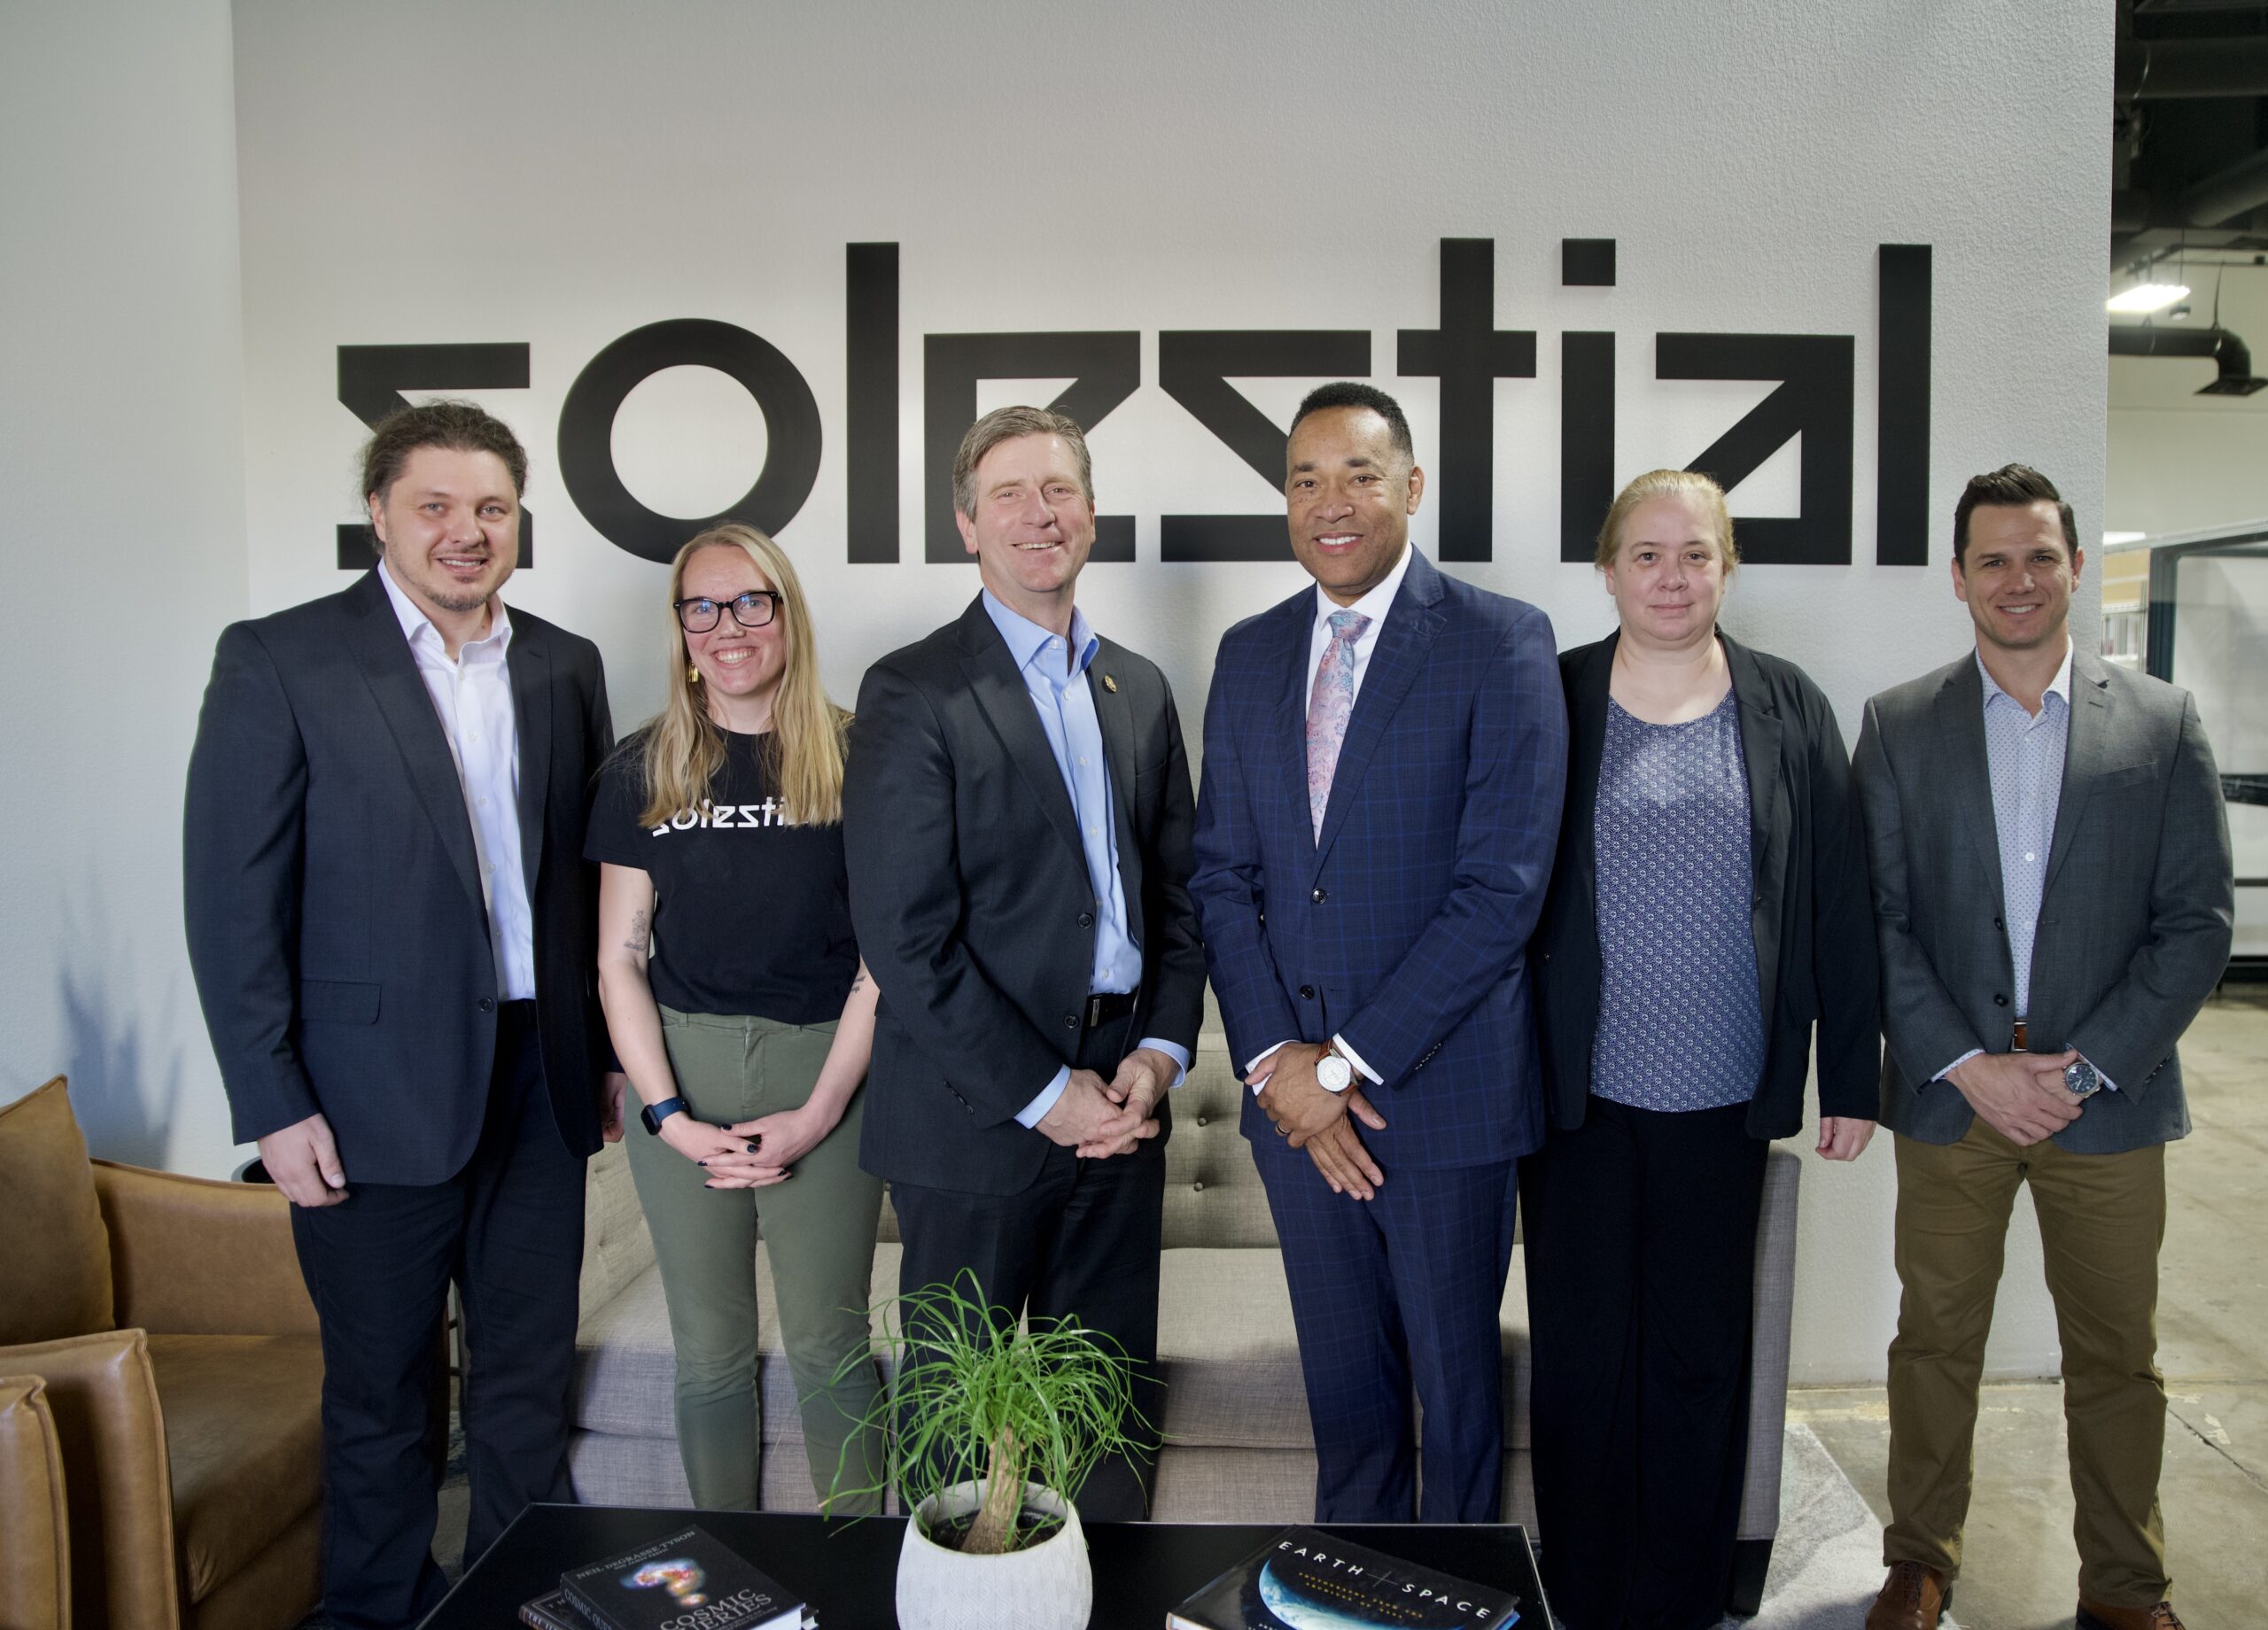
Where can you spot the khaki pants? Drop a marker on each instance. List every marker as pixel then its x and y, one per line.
pixel 2102 1221
pixel 819 1230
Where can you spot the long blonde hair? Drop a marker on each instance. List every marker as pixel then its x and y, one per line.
pixel 685 747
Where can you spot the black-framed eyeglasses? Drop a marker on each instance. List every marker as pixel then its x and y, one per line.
pixel 754 609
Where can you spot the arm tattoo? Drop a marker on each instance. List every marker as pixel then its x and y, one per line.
pixel 640 940
pixel 858 983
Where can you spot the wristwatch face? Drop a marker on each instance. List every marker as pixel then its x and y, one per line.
pixel 1333 1074
pixel 2082 1078
pixel 669 1106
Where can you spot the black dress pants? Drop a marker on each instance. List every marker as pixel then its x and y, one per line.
pixel 508 1229
pixel 1639 1232
pixel 1081 1240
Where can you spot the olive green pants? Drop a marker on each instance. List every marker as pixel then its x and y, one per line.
pixel 2102 1219
pixel 819 1230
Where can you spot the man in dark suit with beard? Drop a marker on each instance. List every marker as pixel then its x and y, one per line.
pixel 393 931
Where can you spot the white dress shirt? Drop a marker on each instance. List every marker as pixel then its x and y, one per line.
pixel 1374 605
pixel 472 696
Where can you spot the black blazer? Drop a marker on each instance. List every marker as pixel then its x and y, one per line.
pixel 974 910
pixel 334 909
pixel 1812 920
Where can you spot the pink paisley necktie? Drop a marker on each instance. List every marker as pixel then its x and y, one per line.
pixel 1328 707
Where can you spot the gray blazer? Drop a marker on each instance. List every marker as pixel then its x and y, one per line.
pixel 2134 922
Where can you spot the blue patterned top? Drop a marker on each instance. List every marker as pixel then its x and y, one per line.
pixel 1680 1024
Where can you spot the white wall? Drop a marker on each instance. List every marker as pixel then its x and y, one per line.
pixel 122 548
pixel 447 173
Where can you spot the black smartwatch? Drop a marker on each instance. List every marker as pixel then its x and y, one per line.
pixel 654 1115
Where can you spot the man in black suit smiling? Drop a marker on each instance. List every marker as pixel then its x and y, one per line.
pixel 392 932
pixel 1017 815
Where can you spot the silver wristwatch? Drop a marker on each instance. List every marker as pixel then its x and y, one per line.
pixel 2083 1079
pixel 1333 1073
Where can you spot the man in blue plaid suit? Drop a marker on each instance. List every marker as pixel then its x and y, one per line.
pixel 1384 755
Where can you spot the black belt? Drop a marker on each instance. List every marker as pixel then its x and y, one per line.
pixel 1109 1005
pixel 2017 1038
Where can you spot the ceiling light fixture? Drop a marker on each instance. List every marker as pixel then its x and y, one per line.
pixel 2145 298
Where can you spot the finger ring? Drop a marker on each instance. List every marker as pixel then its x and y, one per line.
pixel 1280 1132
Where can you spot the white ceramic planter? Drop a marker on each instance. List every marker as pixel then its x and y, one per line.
pixel 1049 1587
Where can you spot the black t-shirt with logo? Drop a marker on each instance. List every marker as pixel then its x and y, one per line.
pixel 751 912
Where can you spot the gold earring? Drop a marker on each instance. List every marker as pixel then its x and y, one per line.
pixel 692 674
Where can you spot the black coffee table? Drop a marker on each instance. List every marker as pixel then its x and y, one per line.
pixel 848 1571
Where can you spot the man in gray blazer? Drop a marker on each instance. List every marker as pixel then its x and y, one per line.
pixel 2053 899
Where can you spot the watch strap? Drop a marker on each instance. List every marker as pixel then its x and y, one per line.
pixel 654 1115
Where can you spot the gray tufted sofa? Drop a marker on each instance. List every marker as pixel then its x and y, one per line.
pixel 1238 1444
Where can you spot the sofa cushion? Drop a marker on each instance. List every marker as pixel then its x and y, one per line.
pixel 55 1274
pixel 243 1430
pixel 34 1525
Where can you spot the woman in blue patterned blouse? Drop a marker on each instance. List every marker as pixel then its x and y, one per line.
pixel 1708 912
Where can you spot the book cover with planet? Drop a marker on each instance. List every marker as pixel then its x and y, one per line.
pixel 1307 1580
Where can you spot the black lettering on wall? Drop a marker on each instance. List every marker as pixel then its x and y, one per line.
pixel 1586 441
pixel 1105 369
pixel 1813 402
pixel 1194 366
pixel 1468 354
pixel 587 431
pixel 371 380
pixel 1902 408
pixel 870 418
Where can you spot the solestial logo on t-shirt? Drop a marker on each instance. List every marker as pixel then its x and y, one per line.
pixel 711 817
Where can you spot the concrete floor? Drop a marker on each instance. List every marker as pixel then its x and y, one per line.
pixel 2021 1567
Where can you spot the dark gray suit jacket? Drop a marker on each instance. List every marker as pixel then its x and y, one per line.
pixel 974 910
pixel 2134 920
pixel 337 927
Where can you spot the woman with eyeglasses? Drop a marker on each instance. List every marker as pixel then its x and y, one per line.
pixel 740 1013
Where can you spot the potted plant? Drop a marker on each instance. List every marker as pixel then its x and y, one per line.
pixel 998 1425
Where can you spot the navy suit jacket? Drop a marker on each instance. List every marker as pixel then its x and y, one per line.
pixel 337 927
pixel 1404 928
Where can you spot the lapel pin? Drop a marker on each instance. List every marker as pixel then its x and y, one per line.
pixel 1110 684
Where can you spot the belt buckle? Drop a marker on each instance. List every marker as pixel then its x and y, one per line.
pixel 1094 1012
pixel 2017 1039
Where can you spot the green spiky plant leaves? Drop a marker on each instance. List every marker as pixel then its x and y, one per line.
pixel 980 1398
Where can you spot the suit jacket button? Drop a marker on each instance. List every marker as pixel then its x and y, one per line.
pixel 1318 897
pixel 2000 925
pixel 1198 1187
pixel 1070 1022
pixel 487 1005
pixel 1307 993
pixel 1998 1000
pixel 1201 1120
pixel 1086 919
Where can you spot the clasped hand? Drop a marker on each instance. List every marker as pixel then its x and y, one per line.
pixel 1096 1119
pixel 748 1154
pixel 1312 1117
pixel 2020 1095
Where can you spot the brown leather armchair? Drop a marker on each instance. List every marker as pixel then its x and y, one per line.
pixel 165 1317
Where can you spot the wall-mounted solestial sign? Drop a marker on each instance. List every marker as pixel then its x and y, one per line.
pixel 1467 353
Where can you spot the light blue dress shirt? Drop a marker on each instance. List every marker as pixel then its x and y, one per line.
pixel 1066 705
pixel 2023 758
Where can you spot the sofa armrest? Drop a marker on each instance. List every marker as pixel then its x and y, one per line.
pixel 34 1522
pixel 192 1257
pixel 118 1478
pixel 1772 1321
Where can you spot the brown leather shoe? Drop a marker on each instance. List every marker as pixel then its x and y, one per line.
pixel 1914 1598
pixel 2096 1616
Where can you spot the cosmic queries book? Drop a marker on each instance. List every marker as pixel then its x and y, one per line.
pixel 686 1581
pixel 1306 1580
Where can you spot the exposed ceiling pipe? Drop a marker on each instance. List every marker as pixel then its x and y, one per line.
pixel 2234 357
pixel 2153 70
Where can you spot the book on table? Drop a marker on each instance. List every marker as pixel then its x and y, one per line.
pixel 688 1581
pixel 1305 1580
